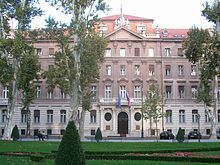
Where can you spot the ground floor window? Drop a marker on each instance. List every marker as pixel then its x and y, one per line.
pixel 22 131
pixel 62 131
pixel 49 131
pixel 208 131
pixel 36 132
pixel 92 132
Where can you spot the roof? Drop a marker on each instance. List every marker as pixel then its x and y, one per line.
pixel 129 17
pixel 173 33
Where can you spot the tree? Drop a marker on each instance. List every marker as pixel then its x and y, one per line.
pixel 180 135
pixel 70 150
pixel 203 47
pixel 98 135
pixel 152 106
pixel 15 133
pixel 81 51
pixel 14 50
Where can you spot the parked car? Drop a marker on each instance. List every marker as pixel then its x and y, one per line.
pixel 194 135
pixel 166 135
pixel 218 134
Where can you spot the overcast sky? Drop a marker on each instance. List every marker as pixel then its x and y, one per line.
pixel 165 13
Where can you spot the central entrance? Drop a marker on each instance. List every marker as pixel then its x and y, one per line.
pixel 122 123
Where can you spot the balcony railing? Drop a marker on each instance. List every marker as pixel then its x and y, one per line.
pixel 3 101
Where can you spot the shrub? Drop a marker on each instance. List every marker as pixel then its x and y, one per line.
pixel 37 158
pixel 180 135
pixel 70 150
pixel 98 135
pixel 15 133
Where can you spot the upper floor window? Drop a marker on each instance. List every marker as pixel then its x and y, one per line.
pixel 167 52
pixel 122 52
pixel 194 116
pixel 24 116
pixel 151 52
pixel 108 70
pixel 151 70
pixel 49 116
pixel 137 69
pixel 168 92
pixel 193 70
pixel 51 52
pixel 181 91
pixel 39 51
pixel 5 92
pixel 136 51
pixel 180 70
pixel 194 91
pixel 4 115
pixel 122 70
pixel 182 116
pixel 103 28
pixel 38 92
pixel 167 70
pixel 180 51
pixel 218 92
pixel 94 91
pixel 208 116
pixel 137 91
pixel 93 116
pixel 108 91
pixel 50 93
pixel 108 52
pixel 123 92
pixel 63 116
pixel 36 116
pixel 62 94
pixel 141 29
pixel 168 116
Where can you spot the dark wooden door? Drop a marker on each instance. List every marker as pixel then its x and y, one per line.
pixel 122 123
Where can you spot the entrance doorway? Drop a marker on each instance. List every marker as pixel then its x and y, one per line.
pixel 122 123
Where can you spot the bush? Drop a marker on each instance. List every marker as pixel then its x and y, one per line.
pixel 37 158
pixel 70 150
pixel 15 133
pixel 180 135
pixel 98 135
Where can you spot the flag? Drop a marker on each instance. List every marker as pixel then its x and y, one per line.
pixel 128 99
pixel 119 101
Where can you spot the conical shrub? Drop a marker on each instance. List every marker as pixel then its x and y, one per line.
pixel 98 135
pixel 180 135
pixel 70 151
pixel 15 133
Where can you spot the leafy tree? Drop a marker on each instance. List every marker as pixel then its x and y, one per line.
pixel 203 47
pixel 152 106
pixel 14 50
pixel 81 51
pixel 98 135
pixel 15 133
pixel 180 135
pixel 70 150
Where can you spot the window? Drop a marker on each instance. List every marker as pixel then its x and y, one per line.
pixel 167 52
pixel 36 116
pixel 137 116
pixel 23 116
pixel 50 93
pixel 5 92
pixel 62 94
pixel 51 52
pixel 151 70
pixel 168 116
pixel 108 52
pixel 38 92
pixel 136 51
pixel 167 70
pixel 49 131
pixel 194 91
pixel 103 28
pixel 93 116
pixel 180 70
pixel 180 51
pixel 108 91
pixel 107 127
pixel 208 116
pixel 122 70
pixel 94 91
pixel 123 92
pixel 208 131
pixel 137 70
pixel 182 116
pixel 39 51
pixel 137 91
pixel 195 116
pixel 219 116
pixel 63 116
pixel 4 115
pixel 193 70
pixel 122 52
pixel 23 132
pixel 218 92
pixel 141 28
pixel 151 52
pixel 181 91
pixel 92 132
pixel 108 70
pixel 62 131
pixel 36 131
pixel 108 116
pixel 168 91
pixel 49 116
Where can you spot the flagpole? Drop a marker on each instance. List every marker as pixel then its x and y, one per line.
pixel 142 117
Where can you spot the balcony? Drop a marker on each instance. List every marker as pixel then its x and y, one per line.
pixel 3 101
pixel 114 101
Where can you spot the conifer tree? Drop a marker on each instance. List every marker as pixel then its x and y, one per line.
pixel 15 133
pixel 98 135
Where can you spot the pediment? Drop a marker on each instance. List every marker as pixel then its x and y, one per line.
pixel 123 34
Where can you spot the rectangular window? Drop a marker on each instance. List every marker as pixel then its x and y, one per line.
pixel 122 52
pixel 63 116
pixel 137 91
pixel 193 70
pixel 167 70
pixel 137 70
pixel 62 94
pixel 49 116
pixel 151 70
pixel 181 91
pixel 168 92
pixel 123 92
pixel 94 91
pixel 180 51
pixel 167 52
pixel 108 70
pixel 108 91
pixel 195 116
pixel 93 116
pixel 207 116
pixel 194 91
pixel 4 115
pixel 51 52
pixel 136 51
pixel 5 92
pixel 23 132
pixel 180 70
pixel 108 52
pixel 122 70
pixel 39 51
pixel 182 116
pixel 36 116
pixel 151 52
pixel 218 116
pixel 50 93
pixel 168 116
pixel 49 131
pixel 23 116
pixel 38 92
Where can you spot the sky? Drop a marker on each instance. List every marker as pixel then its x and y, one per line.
pixel 165 13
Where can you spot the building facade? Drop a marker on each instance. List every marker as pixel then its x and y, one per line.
pixel 137 56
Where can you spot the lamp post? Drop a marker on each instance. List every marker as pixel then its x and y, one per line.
pixel 198 117
pixel 142 117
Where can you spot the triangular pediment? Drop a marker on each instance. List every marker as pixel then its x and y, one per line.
pixel 123 34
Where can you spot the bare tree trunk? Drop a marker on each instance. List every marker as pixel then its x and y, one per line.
pixel 28 132
pixel 150 127
pixel 81 124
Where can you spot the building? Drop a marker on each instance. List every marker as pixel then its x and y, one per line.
pixel 137 55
